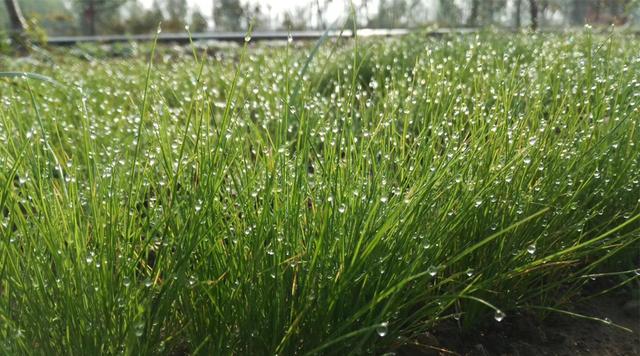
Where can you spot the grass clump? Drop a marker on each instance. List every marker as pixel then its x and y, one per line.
pixel 242 205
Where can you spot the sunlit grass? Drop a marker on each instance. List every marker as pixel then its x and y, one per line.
pixel 247 204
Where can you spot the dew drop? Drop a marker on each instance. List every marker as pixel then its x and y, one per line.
pixel 531 249
pixel 139 329
pixel 478 203
pixel 382 329
pixel 384 200
pixel 126 282
pixel 290 38
pixel 432 271
pixel 527 160
pixel 532 140
pixel 342 208
pixel 469 272
pixel 247 38
pixel 499 315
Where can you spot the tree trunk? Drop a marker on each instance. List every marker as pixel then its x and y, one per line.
pixel 321 25
pixel 89 18
pixel 578 12
pixel 533 10
pixel 518 13
pixel 18 25
pixel 15 16
pixel 473 17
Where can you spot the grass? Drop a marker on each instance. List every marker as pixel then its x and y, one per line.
pixel 236 204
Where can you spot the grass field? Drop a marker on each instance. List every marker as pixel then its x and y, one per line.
pixel 262 200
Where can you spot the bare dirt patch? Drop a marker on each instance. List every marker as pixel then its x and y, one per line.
pixel 524 335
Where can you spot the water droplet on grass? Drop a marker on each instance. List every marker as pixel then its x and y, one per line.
pixel 139 329
pixel 126 282
pixel 469 272
pixel 531 249
pixel 290 38
pixel 384 200
pixel 247 38
pixel 432 271
pixel 478 203
pixel 499 315
pixel 342 208
pixel 382 329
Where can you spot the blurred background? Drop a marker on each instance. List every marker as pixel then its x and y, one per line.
pixel 101 17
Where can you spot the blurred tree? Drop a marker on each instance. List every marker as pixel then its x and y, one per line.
pixel 449 12
pixel 518 14
pixel 295 21
pixel 604 12
pixel 176 18
pixel 141 20
pixel 17 24
pixel 95 12
pixel 52 15
pixel 198 22
pixel 228 15
pixel 321 8
pixel 473 16
pixel 391 13
pixel 254 14
pixel 578 12
pixel 533 12
pixel 485 12
pixel 16 20
pixel 364 8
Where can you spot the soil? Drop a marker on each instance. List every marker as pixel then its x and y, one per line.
pixel 558 334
